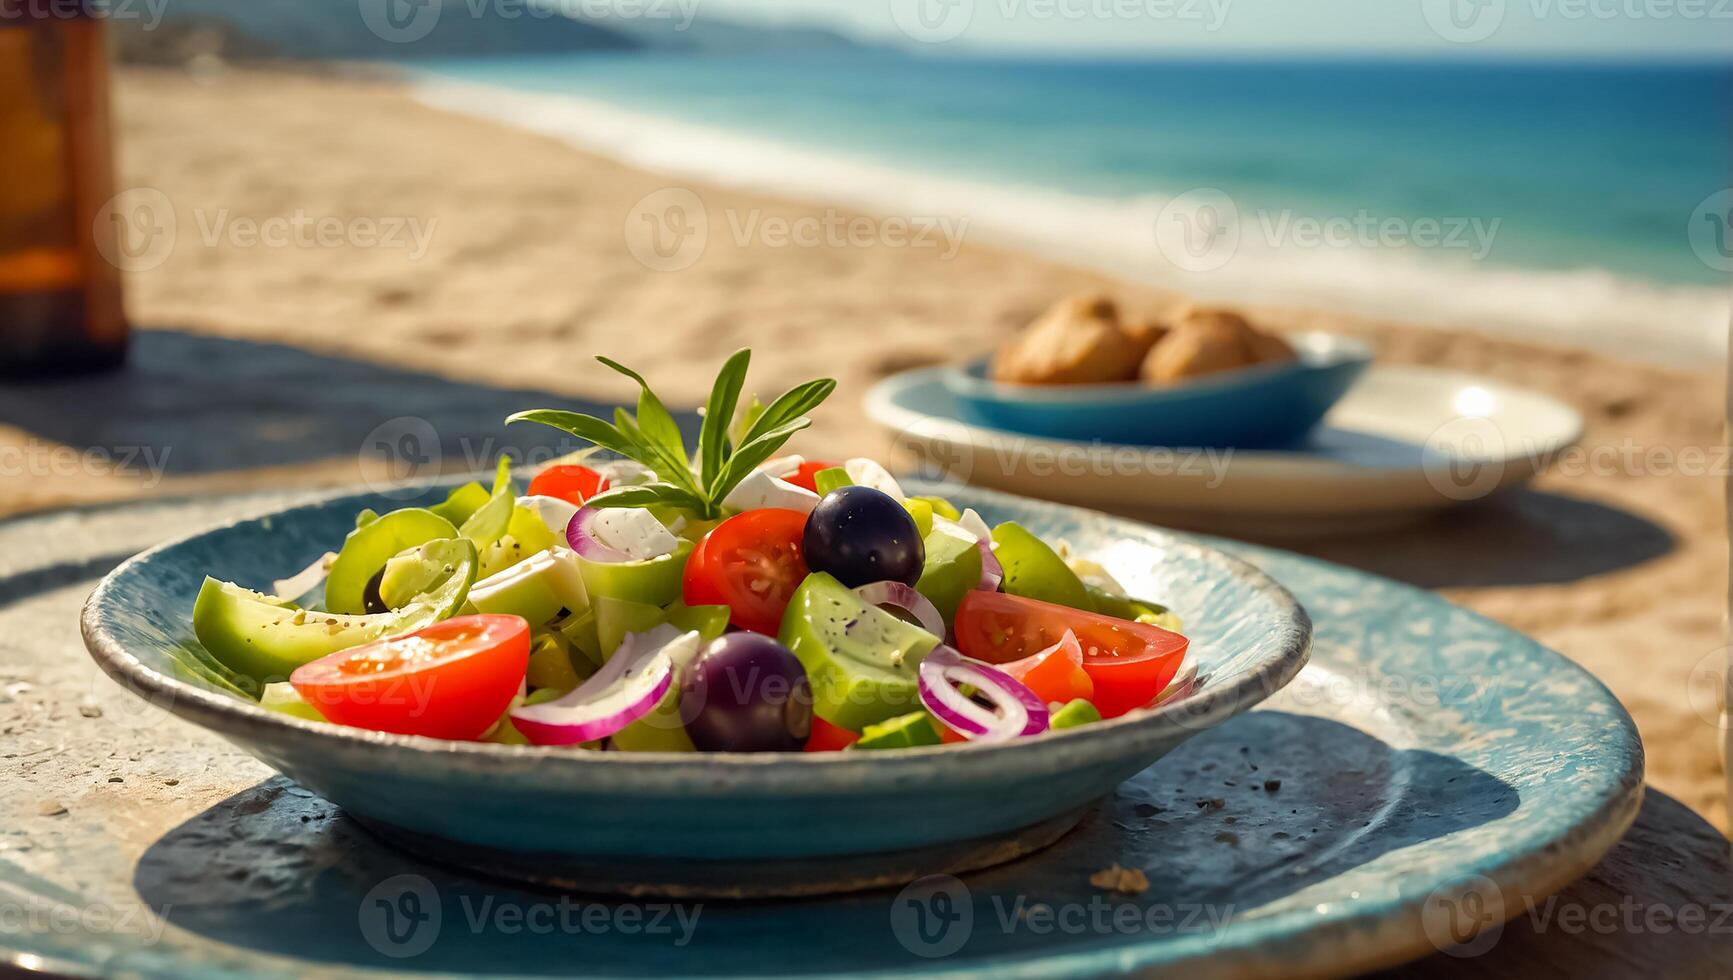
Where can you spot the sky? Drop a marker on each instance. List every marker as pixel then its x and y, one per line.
pixel 1683 29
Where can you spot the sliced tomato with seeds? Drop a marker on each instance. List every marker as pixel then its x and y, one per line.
pixel 750 563
pixel 569 482
pixel 1128 663
pixel 451 680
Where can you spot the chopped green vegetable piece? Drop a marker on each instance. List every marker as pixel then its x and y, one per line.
pixel 370 546
pixel 902 732
pixel 490 521
pixel 551 665
pixel 662 730
pixel 579 629
pixel 942 507
pixel 505 733
pixel 951 569
pixel 1073 715
pixel 709 621
pixel 259 638
pixel 862 662
pixel 617 617
pixel 462 503
pixel 833 478
pixel 1035 571
pixel 367 516
pixel 536 589
pixel 655 581
pixel 922 512
pixel 282 698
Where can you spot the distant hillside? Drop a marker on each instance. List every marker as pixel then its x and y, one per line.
pixel 337 29
pixel 712 36
pixel 397 30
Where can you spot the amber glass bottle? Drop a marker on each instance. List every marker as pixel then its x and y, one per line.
pixel 60 289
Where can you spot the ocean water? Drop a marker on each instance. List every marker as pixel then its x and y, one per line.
pixel 1570 202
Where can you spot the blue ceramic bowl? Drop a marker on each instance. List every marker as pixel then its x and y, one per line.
pixel 1266 406
pixel 714 824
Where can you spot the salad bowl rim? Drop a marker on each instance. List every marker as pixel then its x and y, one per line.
pixel 1182 717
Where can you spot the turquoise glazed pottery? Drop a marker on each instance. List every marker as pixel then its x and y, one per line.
pixel 705 824
pixel 1260 407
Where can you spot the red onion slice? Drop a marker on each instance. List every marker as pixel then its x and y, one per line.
pixel 904 597
pixel 1016 712
pixel 617 534
pixel 628 687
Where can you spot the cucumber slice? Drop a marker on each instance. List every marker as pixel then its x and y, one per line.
pixel 259 638
pixel 863 663
pixel 367 549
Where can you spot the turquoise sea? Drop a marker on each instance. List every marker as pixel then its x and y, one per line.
pixel 1572 190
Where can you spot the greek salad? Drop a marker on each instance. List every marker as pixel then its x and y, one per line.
pixel 636 598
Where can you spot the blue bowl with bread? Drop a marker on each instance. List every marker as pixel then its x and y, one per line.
pixel 1205 378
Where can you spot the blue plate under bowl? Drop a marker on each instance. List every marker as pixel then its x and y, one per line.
pixel 713 824
pixel 1266 406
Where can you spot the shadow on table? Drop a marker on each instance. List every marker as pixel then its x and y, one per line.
pixel 1660 904
pixel 198 404
pixel 1523 537
pixel 1242 817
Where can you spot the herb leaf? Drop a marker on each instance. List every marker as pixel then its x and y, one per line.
pixel 718 412
pixel 654 420
pixel 788 406
pixel 751 455
pixel 647 495
pixel 652 438
pixel 586 427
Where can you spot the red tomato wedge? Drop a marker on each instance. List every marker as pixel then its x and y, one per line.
pixel 1129 663
pixel 451 680
pixel 569 482
pixel 806 477
pixel 750 563
pixel 1055 674
pixel 827 737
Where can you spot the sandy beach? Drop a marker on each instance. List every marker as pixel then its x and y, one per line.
pixel 470 250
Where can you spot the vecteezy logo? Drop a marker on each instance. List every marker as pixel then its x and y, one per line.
pixel 1199 231
pixel 1464 918
pixel 136 229
pixel 409 448
pixel 933 21
pixel 1710 689
pixel 942 456
pixel 1711 231
pixel 667 230
pixel 1464 458
pixel 400 916
pixel 933 916
pixel 1463 21
pixel 400 21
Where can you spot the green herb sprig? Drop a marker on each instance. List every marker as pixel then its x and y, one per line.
pixel 652 437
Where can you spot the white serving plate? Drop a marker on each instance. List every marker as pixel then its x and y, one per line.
pixel 1405 441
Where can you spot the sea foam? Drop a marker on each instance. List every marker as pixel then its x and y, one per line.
pixel 1197 243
